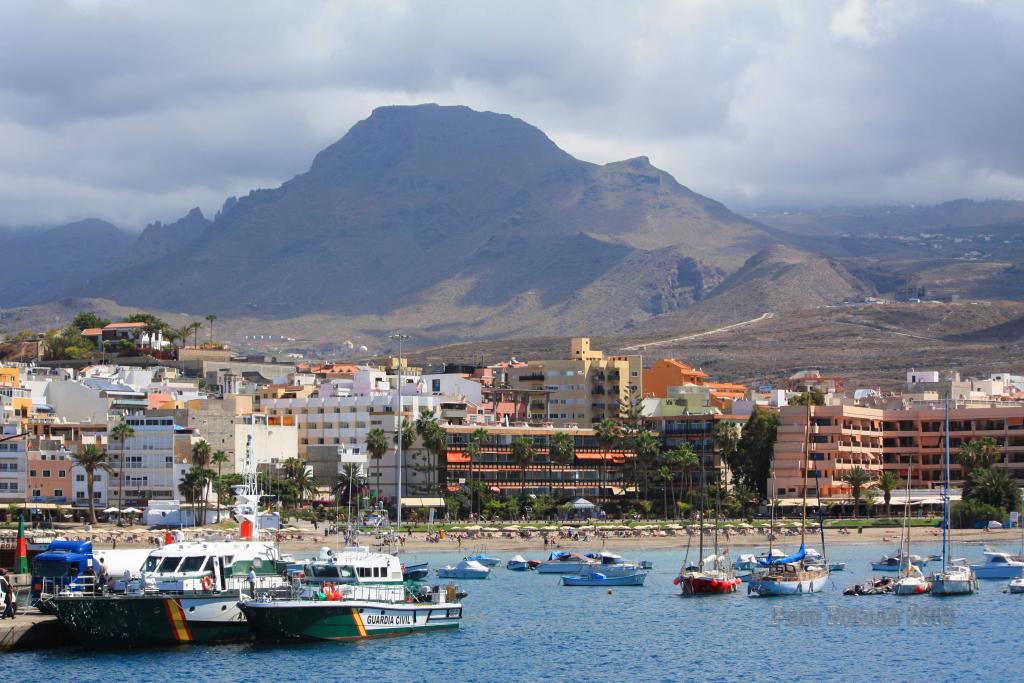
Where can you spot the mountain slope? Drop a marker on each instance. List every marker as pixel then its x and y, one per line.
pixel 476 217
pixel 158 240
pixel 40 265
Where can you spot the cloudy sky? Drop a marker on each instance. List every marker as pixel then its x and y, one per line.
pixel 136 111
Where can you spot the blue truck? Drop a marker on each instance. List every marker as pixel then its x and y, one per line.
pixel 59 565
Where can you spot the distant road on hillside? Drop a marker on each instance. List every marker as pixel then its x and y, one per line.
pixel 726 328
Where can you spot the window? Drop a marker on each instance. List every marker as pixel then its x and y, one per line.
pixel 46 473
pixel 62 473
pixel 79 477
pixel 192 564
pixel 36 493
pixel 59 493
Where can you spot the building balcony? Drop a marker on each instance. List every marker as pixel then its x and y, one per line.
pixel 532 377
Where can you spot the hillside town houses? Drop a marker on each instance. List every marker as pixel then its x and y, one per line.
pixel 322 414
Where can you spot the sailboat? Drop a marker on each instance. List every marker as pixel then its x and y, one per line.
pixel 954 578
pixel 912 580
pixel 713 574
pixel 795 574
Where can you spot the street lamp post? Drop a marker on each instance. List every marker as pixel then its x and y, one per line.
pixel 398 454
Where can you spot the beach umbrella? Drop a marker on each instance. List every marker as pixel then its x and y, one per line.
pixel 490 529
pixel 110 510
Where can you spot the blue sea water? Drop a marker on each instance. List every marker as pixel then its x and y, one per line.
pixel 525 626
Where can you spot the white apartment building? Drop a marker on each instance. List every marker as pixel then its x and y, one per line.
pixel 345 421
pixel 13 461
pixel 274 440
pixel 152 467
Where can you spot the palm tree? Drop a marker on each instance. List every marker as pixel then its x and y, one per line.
pixel 219 458
pixel 993 487
pixel 745 497
pixel 435 440
pixel 195 481
pixel 91 459
pixel 646 449
pixel 121 432
pixel 726 436
pixel 350 479
pixel 523 454
pixel 857 478
pixel 210 318
pixel 664 473
pixel 561 451
pixel 888 481
pixel 194 328
pixel 977 454
pixel 476 440
pixel 377 445
pixel 305 483
pixel 609 435
pixel 183 334
pixel 201 459
pixel 408 435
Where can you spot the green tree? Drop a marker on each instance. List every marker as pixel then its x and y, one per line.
pixel 225 487
pixel 120 433
pixel 201 460
pixel 977 454
pixel 351 479
pixel 609 436
pixel 193 484
pixel 664 474
pixel 476 441
pixel 435 440
pixel 992 487
pixel 751 462
pixel 887 482
pixel 857 477
pixel 646 450
pixel 218 458
pixel 88 319
pixel 523 454
pixel 91 459
pixel 377 446
pixel 745 497
pixel 686 460
pixel 210 318
pixel 561 452
pixel 814 397
pixel 965 514
pixel 67 343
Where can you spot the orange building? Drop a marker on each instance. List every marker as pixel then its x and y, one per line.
pixel 669 372
pixel 844 437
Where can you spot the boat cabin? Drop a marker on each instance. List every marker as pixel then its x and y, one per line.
pixel 209 565
pixel 352 565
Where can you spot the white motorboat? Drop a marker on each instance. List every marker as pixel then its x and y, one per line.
pixel 564 562
pixel 1016 585
pixel 517 564
pixel 466 569
pixel 893 563
pixel 998 565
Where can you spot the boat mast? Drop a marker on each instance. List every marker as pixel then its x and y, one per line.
pixel 906 517
pixel 945 496
pixel 807 459
pixel 703 495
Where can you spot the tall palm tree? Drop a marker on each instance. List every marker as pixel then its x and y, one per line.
pixel 609 435
pixel 664 473
pixel 523 454
pixel 201 460
pixel 377 445
pixel 219 458
pixel 476 441
pixel 561 451
pixel 645 450
pixel 688 461
pixel 210 318
pixel 424 425
pixel 977 454
pixel 857 477
pixel 888 481
pixel 195 327
pixel 121 432
pixel 726 437
pixel 91 459
pixel 407 432
pixel 350 479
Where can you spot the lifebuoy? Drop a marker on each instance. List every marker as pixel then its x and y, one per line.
pixel 327 588
pixel 207 583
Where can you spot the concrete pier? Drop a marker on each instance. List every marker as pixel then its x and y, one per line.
pixel 31 630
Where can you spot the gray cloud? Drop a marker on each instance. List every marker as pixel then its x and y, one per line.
pixel 137 111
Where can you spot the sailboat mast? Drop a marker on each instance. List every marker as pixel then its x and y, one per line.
pixel 807 459
pixel 945 495
pixel 703 496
